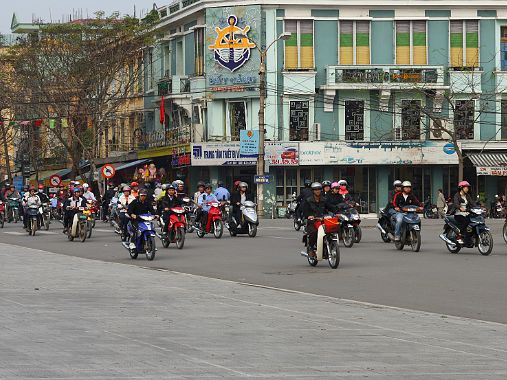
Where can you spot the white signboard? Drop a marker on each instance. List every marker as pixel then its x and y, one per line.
pixel 375 153
pixel 220 154
pixel 282 153
pixel 484 170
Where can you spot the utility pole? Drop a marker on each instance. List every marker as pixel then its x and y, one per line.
pixel 262 131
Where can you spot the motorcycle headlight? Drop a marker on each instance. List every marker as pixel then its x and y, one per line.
pixel 345 217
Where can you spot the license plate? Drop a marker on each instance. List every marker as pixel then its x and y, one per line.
pixel 417 228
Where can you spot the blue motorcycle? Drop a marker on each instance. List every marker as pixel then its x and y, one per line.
pixel 410 229
pixel 144 237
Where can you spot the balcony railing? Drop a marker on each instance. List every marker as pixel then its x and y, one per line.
pixel 164 87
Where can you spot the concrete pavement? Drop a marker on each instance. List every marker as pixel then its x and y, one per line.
pixel 64 317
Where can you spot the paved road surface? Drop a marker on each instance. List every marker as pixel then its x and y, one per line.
pixel 466 284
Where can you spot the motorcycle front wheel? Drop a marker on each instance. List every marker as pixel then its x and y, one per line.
pixel 82 232
pixel 89 228
pixel 297 225
pixel 334 255
pixel 219 229
pixel 180 238
pixel 149 248
pixel 348 237
pixel 415 240
pixel 252 230
pixel 33 226
pixel 358 234
pixel 485 245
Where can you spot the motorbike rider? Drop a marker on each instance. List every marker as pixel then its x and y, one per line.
pixel 88 194
pixel 180 189
pixel 402 199
pixel 221 192
pixel 30 199
pixel 139 206
pixel 199 192
pixel 389 209
pixel 123 204
pixel 135 189
pixel 305 194
pixel 42 195
pixel 169 201
pixel 315 206
pixel 326 187
pixel 462 203
pixel 238 198
pixel 106 200
pixel 71 207
pixel 203 204
pixel 11 192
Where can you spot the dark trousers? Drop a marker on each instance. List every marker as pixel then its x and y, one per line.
pixel 67 218
pixel 462 223
pixel 312 234
pixel 123 222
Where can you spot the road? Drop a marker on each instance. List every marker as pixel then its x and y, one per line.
pixel 466 284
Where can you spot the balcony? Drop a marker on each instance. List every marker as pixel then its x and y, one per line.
pixel 164 86
pixel 180 85
pixel 466 81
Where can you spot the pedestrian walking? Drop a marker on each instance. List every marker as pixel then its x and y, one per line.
pixel 441 203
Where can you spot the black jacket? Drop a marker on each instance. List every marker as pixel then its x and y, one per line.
pixel 399 200
pixel 338 201
pixel 457 201
pixel 69 201
pixel 137 207
pixel 43 197
pixel 317 209
pixel 169 203
pixel 236 198
pixel 305 194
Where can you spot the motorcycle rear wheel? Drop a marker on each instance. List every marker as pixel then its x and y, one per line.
pixel 149 248
pixel 415 240
pixel 485 245
pixel 334 255
pixel 451 235
pixel 180 238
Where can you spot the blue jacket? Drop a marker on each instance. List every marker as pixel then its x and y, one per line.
pixel 204 199
pixel 222 194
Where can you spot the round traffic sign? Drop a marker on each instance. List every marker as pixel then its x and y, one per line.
pixel 449 148
pixel 55 180
pixel 108 171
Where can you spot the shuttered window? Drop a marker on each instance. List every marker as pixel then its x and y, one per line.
pixel 464 41
pixel 299 46
pixel 199 51
pixel 411 43
pixel 503 48
pixel 354 42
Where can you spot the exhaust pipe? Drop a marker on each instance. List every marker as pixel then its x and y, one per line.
pixel 379 227
pixel 125 245
pixel 303 253
pixel 445 239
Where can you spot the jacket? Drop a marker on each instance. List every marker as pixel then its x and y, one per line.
pixel 441 200
pixel 139 208
pixel 305 194
pixel 236 198
pixel 71 202
pixel 167 202
pixel 458 200
pixel 317 209
pixel 400 201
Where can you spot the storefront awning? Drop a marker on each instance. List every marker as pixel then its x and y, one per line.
pixel 131 164
pixel 489 159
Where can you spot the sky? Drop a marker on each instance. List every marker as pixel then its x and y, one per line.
pixel 56 9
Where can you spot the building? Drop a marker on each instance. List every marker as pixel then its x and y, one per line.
pixel 348 93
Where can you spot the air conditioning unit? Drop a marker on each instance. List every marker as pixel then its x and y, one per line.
pixel 314 132
pixel 438 129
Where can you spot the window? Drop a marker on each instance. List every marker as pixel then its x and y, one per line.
pixel 199 51
pixel 464 40
pixel 410 120
pixel 503 47
pixel 354 120
pixel 354 42
pixel 237 118
pixel 411 43
pixel 166 51
pixel 298 120
pixel 299 46
pixel 180 63
pixel 504 120
pixel 464 119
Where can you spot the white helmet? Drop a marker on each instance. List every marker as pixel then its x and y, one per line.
pixel 406 184
pixel 85 186
pixel 342 182
pixel 164 186
pixel 397 183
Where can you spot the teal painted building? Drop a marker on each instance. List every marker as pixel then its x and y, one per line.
pixel 370 92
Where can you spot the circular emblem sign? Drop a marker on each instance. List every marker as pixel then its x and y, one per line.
pixel 55 180
pixel 449 148
pixel 108 171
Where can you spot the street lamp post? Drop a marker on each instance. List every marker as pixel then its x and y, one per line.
pixel 262 130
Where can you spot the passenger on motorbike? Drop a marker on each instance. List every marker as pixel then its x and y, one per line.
pixel 199 192
pixel 462 203
pixel 71 207
pixel 401 200
pixel 139 206
pixel 180 188
pixel 169 201
pixel 203 204
pixel 123 204
pixel 135 189
pixel 88 194
pixel 106 200
pixel 42 195
pixel 31 199
pixel 326 187
pixel 222 193
pixel 238 198
pixel 315 206
pixel 305 194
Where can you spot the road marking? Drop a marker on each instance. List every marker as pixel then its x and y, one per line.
pixel 101 230
pixel 16 233
pixel 46 232
pixel 280 237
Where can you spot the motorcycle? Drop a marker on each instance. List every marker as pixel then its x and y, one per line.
pixel 478 235
pixel 505 230
pixel 291 207
pixel 214 224
pixel 327 242
pixel 298 220
pixel 2 214
pixel 174 232
pixel 430 210
pixel 385 226
pixel 45 213
pixel 90 218
pixel 496 210
pixel 346 231
pixel 79 226
pixel 248 223
pixel 13 207
pixel 94 210
pixel 190 210
pixel 33 222
pixel 410 229
pixel 144 237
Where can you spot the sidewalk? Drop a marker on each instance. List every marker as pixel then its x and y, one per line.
pixel 69 318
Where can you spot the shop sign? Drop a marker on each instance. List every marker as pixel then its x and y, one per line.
pixel 264 179
pixel 232 59
pixel 282 153
pixel 220 154
pixel 249 142
pixel 375 153
pixel 178 161
pixel 496 171
pixel 393 75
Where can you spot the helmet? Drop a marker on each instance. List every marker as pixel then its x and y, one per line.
pixel 41 186
pixel 326 183
pixel 334 185
pixel 32 188
pixel 236 183
pixel 243 184
pixel 179 182
pixel 85 186
pixel 134 184
pixel 342 182
pixel 164 186
pixel 220 183
pixel 208 186
pixel 171 186
pixel 126 188
pixel 200 183
pixel 406 184
pixel 397 183
pixel 143 192
pixel 308 183
pixel 463 184
pixel 316 186
pixel 115 189
pixel 77 190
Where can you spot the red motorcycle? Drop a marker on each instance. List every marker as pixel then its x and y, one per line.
pixel 174 232
pixel 2 214
pixel 214 223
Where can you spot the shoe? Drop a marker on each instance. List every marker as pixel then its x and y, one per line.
pixel 397 238
pixel 132 246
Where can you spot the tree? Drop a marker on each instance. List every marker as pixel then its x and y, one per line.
pixel 78 74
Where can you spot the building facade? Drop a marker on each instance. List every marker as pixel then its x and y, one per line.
pixel 352 92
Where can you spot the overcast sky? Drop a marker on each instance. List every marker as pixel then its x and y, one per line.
pixel 56 9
